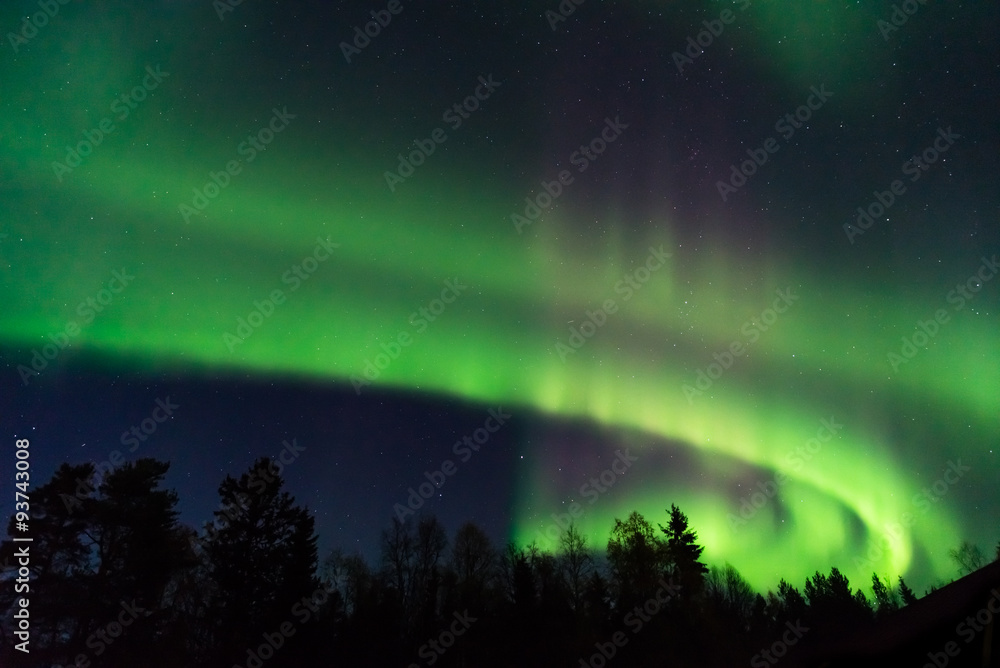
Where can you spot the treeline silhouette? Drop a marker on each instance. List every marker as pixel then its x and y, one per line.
pixel 117 581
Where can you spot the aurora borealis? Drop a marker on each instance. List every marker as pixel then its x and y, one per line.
pixel 843 376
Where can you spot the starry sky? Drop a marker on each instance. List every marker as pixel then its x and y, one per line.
pixel 733 256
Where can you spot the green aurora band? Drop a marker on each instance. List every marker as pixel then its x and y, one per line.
pixel 826 356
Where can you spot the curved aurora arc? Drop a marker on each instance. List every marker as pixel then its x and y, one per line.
pixel 496 344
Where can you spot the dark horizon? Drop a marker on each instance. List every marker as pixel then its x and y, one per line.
pixel 518 266
pixel 213 407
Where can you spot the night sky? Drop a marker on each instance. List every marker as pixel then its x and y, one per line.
pixel 603 257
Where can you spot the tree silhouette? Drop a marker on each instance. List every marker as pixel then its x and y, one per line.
pixel 968 557
pixel 411 556
pixel 683 553
pixel 399 557
pixel 905 593
pixel 105 553
pixel 575 564
pixel 519 578
pixel 430 547
pixel 141 548
pixel 61 566
pixel 211 597
pixel 831 602
pixel 886 598
pixel 792 605
pixel 730 595
pixel 472 561
pixel 262 560
pixel 637 559
pixel 597 601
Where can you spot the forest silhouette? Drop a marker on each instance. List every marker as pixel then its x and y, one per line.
pixel 117 580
